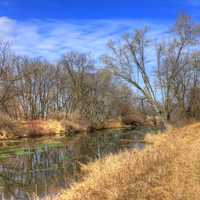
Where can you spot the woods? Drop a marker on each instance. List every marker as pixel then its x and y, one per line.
pixel 137 75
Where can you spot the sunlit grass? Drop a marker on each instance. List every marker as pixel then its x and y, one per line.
pixel 169 170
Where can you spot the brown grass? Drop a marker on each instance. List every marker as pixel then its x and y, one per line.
pixel 14 129
pixel 36 128
pixel 18 129
pixel 7 127
pixel 113 123
pixel 167 170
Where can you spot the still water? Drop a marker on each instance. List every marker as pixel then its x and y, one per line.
pixel 43 166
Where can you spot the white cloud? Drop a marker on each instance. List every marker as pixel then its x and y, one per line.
pixel 52 38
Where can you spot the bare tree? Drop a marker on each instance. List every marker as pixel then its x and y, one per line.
pixel 129 62
pixel 174 64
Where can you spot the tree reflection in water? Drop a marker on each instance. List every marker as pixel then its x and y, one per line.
pixel 38 166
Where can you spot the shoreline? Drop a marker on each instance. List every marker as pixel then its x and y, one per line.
pixel 15 130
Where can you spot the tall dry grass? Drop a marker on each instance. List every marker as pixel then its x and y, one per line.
pixel 11 129
pixel 167 170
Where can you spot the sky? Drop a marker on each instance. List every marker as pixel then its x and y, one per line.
pixel 50 28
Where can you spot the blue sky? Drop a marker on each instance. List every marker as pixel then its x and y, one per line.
pixel 95 9
pixel 49 28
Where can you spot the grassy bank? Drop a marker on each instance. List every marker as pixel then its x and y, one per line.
pixel 38 128
pixel 169 170
pixel 10 129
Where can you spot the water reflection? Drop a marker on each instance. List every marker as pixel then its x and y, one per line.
pixel 43 166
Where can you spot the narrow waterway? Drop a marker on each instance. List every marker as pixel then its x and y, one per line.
pixel 43 166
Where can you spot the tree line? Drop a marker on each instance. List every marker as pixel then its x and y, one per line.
pixel 138 74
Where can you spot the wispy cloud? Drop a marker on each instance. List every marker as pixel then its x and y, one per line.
pixel 52 38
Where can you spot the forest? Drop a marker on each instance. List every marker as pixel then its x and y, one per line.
pixel 127 80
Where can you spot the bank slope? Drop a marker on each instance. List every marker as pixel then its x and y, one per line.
pixel 168 170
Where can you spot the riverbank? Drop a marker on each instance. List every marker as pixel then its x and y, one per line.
pixel 166 170
pixel 17 129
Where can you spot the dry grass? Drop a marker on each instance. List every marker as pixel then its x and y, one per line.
pixel 40 127
pixel 113 123
pixel 7 127
pixel 74 126
pixel 167 170
pixel 10 129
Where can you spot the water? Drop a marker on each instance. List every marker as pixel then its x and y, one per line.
pixel 43 166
